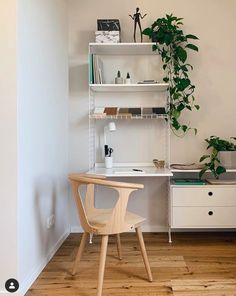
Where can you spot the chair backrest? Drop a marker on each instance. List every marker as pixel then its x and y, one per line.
pixel 116 223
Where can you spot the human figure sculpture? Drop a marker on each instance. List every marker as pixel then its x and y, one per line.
pixel 136 18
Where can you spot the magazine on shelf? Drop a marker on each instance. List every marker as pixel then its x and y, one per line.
pixel 96 70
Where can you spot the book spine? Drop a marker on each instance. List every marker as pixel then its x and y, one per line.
pixel 91 80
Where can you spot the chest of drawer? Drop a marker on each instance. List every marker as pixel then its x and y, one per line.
pixel 203 217
pixel 203 196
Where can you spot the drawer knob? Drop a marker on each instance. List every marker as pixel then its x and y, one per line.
pixel 210 213
pixel 210 193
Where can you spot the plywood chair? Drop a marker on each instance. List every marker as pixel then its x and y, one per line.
pixel 105 222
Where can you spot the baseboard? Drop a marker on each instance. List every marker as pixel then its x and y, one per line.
pixel 27 283
pixel 76 229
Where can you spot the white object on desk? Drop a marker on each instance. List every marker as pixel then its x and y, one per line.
pixel 108 162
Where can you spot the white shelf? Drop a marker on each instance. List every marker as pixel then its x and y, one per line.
pixel 128 172
pixel 122 48
pixel 148 116
pixel 156 87
pixel 197 171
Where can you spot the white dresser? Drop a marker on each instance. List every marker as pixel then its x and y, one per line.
pixel 202 206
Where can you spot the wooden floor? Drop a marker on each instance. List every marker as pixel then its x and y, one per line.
pixel 194 264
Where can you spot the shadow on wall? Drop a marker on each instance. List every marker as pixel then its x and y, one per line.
pixel 84 38
pixel 78 80
pixel 45 206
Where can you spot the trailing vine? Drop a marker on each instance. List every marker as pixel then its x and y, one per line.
pixel 172 45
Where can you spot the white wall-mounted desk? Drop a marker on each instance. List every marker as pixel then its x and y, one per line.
pixel 127 171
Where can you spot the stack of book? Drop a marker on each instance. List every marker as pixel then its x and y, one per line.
pixel 189 182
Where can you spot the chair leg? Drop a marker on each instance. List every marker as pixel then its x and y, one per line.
pixel 102 264
pixel 80 252
pixel 144 253
pixel 119 246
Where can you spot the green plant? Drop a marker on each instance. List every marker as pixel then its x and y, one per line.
pixel 172 44
pixel 214 165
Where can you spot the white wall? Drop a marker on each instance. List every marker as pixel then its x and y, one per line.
pixel 42 133
pixel 8 136
pixel 214 22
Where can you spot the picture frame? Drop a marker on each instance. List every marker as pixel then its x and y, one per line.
pixel 108 25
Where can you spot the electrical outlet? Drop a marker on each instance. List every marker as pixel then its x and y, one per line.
pixel 50 221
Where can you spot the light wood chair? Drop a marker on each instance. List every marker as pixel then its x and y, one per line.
pixel 105 222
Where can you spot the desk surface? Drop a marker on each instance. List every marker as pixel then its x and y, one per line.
pixel 128 172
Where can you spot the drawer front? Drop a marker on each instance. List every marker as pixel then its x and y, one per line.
pixel 208 196
pixel 203 217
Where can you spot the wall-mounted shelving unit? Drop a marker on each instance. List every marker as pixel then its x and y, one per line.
pixel 157 89
pixel 188 206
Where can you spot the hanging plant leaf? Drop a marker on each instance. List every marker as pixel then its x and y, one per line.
pixel 181 54
pixel 204 157
pixel 172 45
pixel 190 36
pixel 192 46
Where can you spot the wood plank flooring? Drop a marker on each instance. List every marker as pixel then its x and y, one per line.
pixel 194 264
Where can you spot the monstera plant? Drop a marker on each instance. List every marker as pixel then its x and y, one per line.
pixel 173 45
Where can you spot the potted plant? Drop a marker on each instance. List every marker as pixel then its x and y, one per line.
pixel 173 45
pixel 221 153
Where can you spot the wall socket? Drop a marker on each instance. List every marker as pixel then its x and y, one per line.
pixel 50 221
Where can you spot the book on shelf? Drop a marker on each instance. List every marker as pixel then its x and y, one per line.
pixel 91 78
pixel 154 111
pixel 135 111
pixel 111 110
pixel 99 110
pixel 96 70
pixel 124 112
pixel 189 182
pixel 151 81
pixel 159 110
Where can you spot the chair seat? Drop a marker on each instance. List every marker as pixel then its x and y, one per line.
pixel 100 219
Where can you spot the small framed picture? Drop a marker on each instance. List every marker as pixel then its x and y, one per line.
pixel 108 25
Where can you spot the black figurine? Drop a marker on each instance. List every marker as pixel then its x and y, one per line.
pixel 136 18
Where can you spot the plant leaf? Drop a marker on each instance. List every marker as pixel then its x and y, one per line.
pixel 192 46
pixel 190 36
pixel 148 31
pixel 204 157
pixel 154 47
pixel 184 128
pixel 181 53
pixel 220 170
